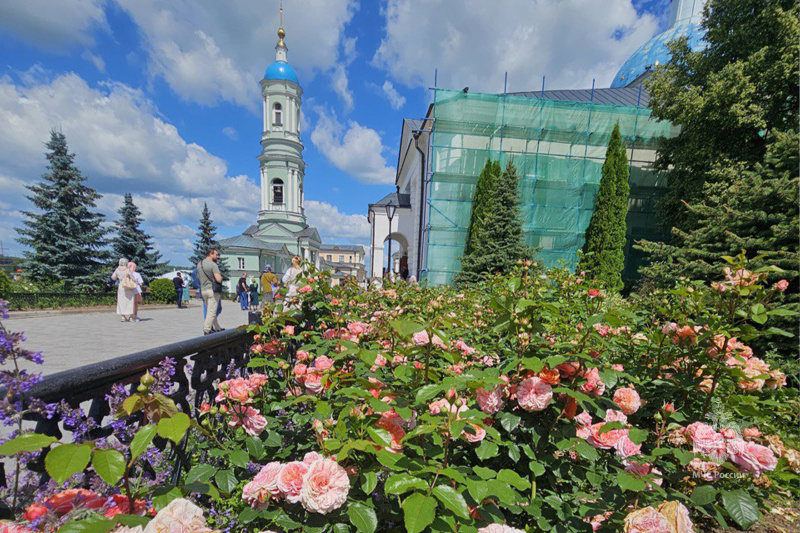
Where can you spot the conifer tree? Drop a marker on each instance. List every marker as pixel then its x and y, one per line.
pixel 66 237
pixel 497 238
pixel 604 248
pixel 132 243
pixel 206 238
pixel 487 181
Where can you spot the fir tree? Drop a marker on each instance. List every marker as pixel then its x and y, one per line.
pixel 604 248
pixel 66 237
pixel 497 238
pixel 206 239
pixel 132 243
pixel 487 181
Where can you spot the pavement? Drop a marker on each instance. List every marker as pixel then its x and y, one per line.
pixel 73 339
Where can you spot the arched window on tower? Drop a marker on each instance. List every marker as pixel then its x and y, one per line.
pixel 277 191
pixel 277 115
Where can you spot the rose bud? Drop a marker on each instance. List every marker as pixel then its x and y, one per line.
pixel 669 408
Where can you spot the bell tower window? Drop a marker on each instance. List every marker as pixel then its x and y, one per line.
pixel 277 115
pixel 277 191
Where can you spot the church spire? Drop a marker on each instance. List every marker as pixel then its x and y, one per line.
pixel 280 48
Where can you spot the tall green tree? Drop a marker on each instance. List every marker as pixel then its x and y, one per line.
pixel 66 236
pixel 484 188
pixel 729 99
pixel 604 248
pixel 497 238
pixel 132 243
pixel 206 239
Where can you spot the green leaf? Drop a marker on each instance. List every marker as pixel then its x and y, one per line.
pixel 254 447
pixel 704 495
pixel 174 428
pixel 369 482
pixel 427 392
pixel 240 458
pixel 418 512
pixel 109 465
pixel 362 517
pixel 142 440
pixel 67 460
pixel 629 482
pixel 29 442
pixel 202 473
pixel 93 524
pixel 741 507
pixel 638 436
pixel 514 479
pixel 509 421
pixel 131 520
pixel 537 468
pixel 758 313
pixel 380 436
pixel 486 450
pixel 226 480
pixel 274 440
pixel 477 489
pixel 402 483
pixel 451 500
pixel 162 497
pixel 405 328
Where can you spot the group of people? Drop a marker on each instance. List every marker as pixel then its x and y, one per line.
pixel 129 290
pixel 247 294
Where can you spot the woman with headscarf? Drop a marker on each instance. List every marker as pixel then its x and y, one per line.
pixel 126 291
pixel 269 282
pixel 137 278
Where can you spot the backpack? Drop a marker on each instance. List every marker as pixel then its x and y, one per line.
pixel 128 282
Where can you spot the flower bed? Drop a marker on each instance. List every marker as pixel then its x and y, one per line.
pixel 531 403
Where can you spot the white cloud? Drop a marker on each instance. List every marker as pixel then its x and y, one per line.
pixel 95 60
pixel 54 25
pixel 354 149
pixel 208 51
pixel 339 84
pixel 475 42
pixel 333 224
pixel 396 99
pixel 230 133
pixel 122 145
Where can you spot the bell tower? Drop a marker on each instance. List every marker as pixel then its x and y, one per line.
pixel 281 158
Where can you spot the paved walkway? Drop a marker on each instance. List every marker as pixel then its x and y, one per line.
pixel 69 340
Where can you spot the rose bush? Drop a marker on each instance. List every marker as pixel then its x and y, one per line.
pixel 532 403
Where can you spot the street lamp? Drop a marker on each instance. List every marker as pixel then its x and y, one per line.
pixel 390 209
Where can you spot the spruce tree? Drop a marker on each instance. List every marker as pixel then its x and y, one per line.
pixel 132 243
pixel 497 237
pixel 206 238
pixel 604 248
pixel 66 237
pixel 487 181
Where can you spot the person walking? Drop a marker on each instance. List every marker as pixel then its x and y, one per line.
pixel 268 282
pixel 253 296
pixel 241 291
pixel 137 298
pixel 211 287
pixel 126 291
pixel 178 282
pixel 186 294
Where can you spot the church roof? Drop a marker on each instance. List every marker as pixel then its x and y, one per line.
pixel 628 96
pixel 342 247
pixel 400 200
pixel 281 70
pixel 245 241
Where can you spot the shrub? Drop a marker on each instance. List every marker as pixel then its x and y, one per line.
pixel 5 284
pixel 162 291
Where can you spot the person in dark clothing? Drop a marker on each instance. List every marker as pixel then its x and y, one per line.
pixel 242 291
pixel 178 282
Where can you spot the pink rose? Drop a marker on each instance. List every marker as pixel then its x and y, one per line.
pixel 310 457
pixel 533 394
pixel 290 480
pixel 438 406
pixel 420 338
pixel 705 440
pixel 264 486
pixel 299 370
pixel 257 381
pixel 584 419
pixel 499 528
pixel 643 469
pixel 313 383
pixel 647 520
pixel 491 401
pixel 438 342
pixel 628 400
pixel 782 285
pixel 323 363
pixel 593 383
pixel 625 448
pixel 325 487
pixel 604 440
pixel 288 330
pixel 477 435
pixel 751 457
pixel 250 419
pixel 305 289
pixel 301 355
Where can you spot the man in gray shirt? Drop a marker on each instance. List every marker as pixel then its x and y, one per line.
pixel 208 273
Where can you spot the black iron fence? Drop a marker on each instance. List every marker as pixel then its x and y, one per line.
pixel 53 300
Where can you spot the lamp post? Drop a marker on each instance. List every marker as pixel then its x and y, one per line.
pixel 390 209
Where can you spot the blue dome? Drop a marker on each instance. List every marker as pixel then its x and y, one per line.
pixel 281 70
pixel 656 50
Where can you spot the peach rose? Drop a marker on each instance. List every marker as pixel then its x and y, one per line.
pixel 647 520
pixel 625 448
pixel 325 487
pixel 551 376
pixel 396 433
pixel 290 480
pixel 477 435
pixel 179 516
pixel 490 401
pixel 264 486
pixel 237 389
pixel 628 400
pixel 533 394
pixel 499 528
pixel 678 516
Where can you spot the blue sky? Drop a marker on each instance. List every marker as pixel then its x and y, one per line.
pixel 161 98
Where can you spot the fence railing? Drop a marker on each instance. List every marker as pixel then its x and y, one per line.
pixel 46 300
pixel 199 363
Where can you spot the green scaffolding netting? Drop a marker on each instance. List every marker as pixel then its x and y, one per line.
pixel 558 148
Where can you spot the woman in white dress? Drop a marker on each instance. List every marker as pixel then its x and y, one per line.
pixel 138 296
pixel 125 296
pixel 290 282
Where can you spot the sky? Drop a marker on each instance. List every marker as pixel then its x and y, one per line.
pixel 160 98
